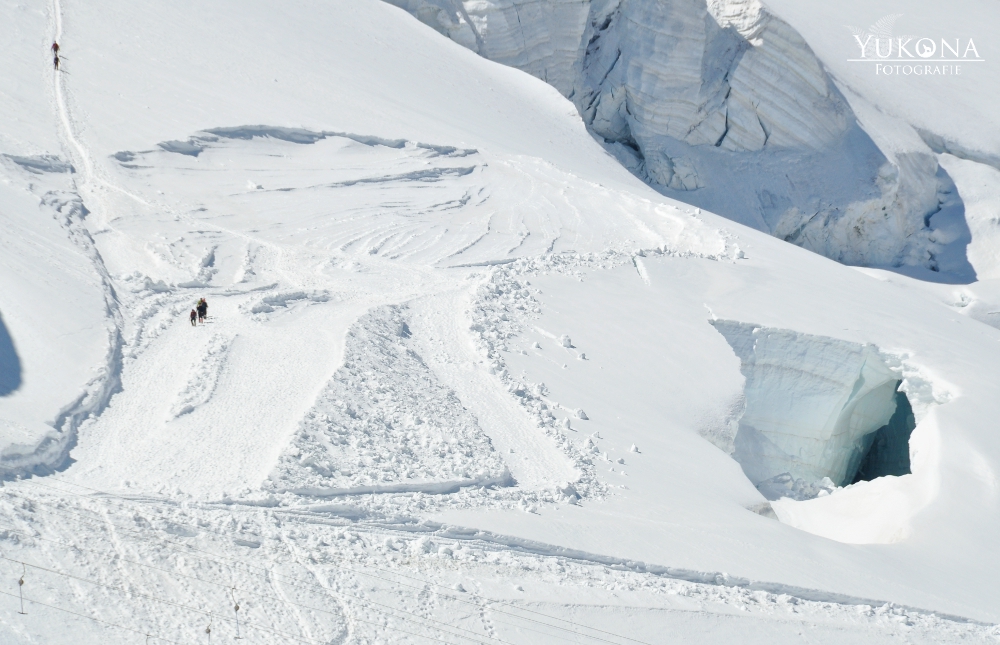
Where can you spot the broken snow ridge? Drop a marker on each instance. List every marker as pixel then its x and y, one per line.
pixel 201 141
pixel 42 163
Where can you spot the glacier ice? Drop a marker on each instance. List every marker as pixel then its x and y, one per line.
pixel 818 411
pixel 720 104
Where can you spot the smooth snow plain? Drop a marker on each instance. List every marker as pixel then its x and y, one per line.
pixel 459 381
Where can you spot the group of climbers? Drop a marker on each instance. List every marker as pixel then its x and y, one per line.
pixel 200 312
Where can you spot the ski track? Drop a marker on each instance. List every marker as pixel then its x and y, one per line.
pixel 317 576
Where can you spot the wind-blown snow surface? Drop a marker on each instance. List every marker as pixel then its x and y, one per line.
pixel 459 381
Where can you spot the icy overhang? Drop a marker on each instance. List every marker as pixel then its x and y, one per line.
pixel 813 404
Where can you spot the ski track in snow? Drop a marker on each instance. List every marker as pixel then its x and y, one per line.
pixel 442 325
pixel 318 577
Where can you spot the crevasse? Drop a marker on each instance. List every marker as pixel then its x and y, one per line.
pixel 815 408
pixel 722 105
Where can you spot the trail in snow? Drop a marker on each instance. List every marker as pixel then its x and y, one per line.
pixel 319 578
pixel 238 408
pixel 53 450
pixel 441 325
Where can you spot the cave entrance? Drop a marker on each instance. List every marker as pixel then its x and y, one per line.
pixel 887 450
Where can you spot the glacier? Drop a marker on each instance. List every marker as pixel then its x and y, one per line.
pixel 722 105
pixel 458 376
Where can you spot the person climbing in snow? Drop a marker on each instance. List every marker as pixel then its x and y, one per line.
pixel 55 62
pixel 194 318
pixel 202 310
pixel 55 49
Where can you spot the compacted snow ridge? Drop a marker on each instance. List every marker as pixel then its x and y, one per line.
pixel 205 375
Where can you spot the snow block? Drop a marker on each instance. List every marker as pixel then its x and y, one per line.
pixel 817 409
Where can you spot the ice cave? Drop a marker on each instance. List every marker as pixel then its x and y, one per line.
pixel 818 412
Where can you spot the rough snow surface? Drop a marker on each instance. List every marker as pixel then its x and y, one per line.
pixel 386 401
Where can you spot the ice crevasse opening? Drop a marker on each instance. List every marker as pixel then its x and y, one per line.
pixel 818 412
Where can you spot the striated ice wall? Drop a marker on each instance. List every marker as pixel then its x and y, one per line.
pixel 813 404
pixel 720 104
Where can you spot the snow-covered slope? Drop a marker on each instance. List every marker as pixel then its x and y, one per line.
pixel 722 105
pixel 462 378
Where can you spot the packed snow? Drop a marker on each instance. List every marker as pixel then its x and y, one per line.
pixel 469 373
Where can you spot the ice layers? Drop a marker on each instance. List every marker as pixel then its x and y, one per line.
pixel 817 409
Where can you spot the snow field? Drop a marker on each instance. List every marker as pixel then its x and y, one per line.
pixel 396 236
pixel 319 578
pixel 662 402
pixel 56 316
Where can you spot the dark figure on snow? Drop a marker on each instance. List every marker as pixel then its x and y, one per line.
pixel 55 62
pixel 202 310
pixel 194 317
pixel 55 49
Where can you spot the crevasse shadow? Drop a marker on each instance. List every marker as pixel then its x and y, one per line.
pixel 10 363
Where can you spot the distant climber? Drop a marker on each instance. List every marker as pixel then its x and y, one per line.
pixel 202 310
pixel 55 49
pixel 194 318
pixel 55 62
